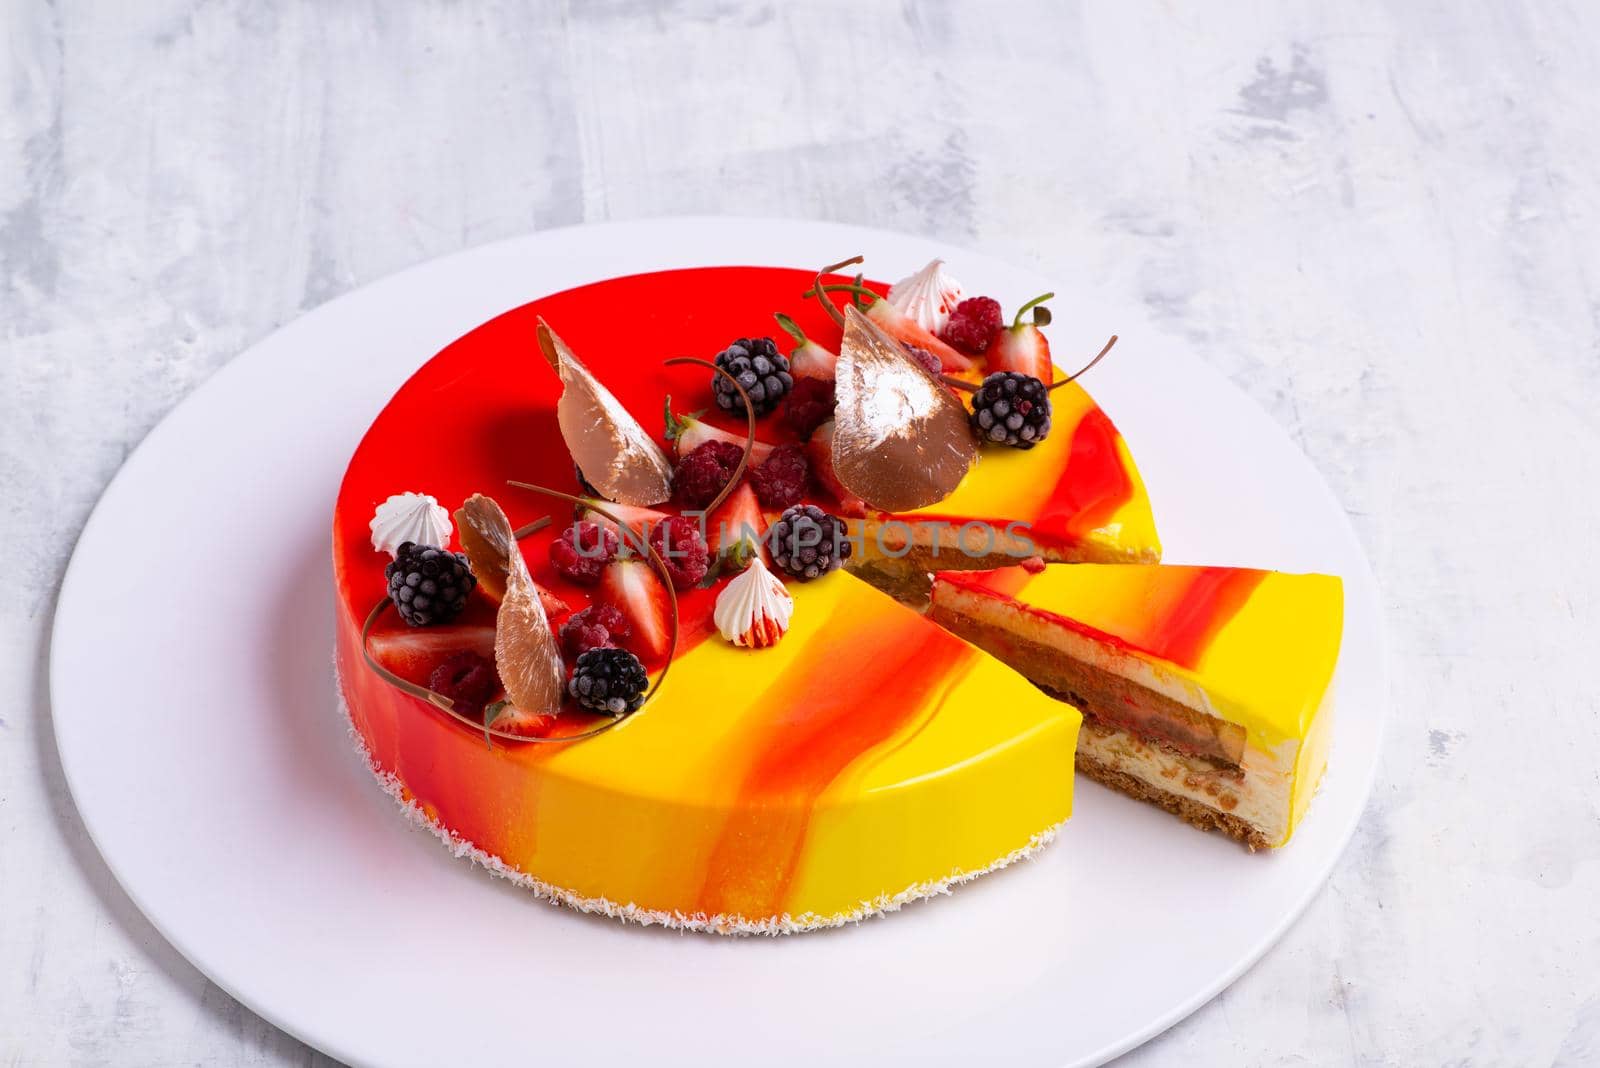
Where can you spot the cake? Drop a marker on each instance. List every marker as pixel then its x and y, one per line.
pixel 688 676
pixel 867 758
pixel 1205 690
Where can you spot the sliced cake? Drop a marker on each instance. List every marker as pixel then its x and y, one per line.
pixel 745 737
pixel 1205 690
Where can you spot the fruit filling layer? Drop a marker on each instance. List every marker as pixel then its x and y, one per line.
pixel 1107 698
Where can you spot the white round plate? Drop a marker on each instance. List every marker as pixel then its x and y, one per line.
pixel 193 698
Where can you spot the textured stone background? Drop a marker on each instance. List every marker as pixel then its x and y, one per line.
pixel 1379 218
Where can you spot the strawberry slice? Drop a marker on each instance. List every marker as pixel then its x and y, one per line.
pixel 554 607
pixel 507 717
pixel 737 519
pixel 809 359
pixel 900 326
pixel 1022 347
pixel 687 432
pixel 413 653
pixel 819 450
pixel 632 586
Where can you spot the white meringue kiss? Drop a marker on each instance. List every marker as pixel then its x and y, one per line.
pixel 929 296
pixel 414 517
pixel 753 610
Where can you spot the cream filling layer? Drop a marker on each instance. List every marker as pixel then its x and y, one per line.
pixel 1262 798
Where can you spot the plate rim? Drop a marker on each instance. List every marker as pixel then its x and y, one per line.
pixel 69 595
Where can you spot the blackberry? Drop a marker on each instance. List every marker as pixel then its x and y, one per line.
pixel 760 369
pixel 608 680
pixel 807 542
pixel 1011 409
pixel 428 585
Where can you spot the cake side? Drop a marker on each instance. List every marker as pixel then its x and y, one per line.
pixel 739 800
pixel 720 923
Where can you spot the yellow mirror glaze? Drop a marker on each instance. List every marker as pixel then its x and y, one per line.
pixel 868 757
pixel 1261 645
pixel 1078 491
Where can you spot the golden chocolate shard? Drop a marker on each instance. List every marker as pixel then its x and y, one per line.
pixel 526 652
pixel 615 453
pixel 901 439
pixel 488 540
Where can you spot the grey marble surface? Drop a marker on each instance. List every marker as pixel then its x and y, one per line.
pixel 1381 219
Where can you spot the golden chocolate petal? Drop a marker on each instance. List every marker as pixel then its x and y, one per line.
pixel 901 439
pixel 487 538
pixel 609 446
pixel 525 649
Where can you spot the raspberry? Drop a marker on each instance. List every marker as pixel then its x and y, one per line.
pixel 1011 409
pixel 582 552
pixel 808 542
pixel 468 680
pixel 759 368
pixel 810 404
pixel 781 480
pixel 599 626
pixel 428 585
pixel 972 325
pixel 924 357
pixel 682 548
pixel 612 681
pixel 701 474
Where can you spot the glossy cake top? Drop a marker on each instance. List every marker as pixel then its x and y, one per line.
pixel 718 795
pixel 482 412
pixel 1261 644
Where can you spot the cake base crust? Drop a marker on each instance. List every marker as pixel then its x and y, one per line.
pixel 1191 812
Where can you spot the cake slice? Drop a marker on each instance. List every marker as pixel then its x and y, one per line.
pixel 1205 690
